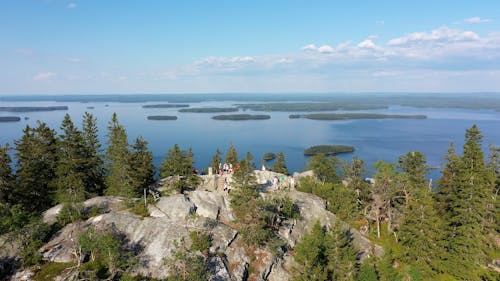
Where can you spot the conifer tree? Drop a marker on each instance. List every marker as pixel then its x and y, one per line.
pixel 494 166
pixel 324 168
pixel 119 179
pixel 142 164
pixel 94 165
pixel 352 174
pixel 280 165
pixel 36 164
pixel 342 256
pixel 216 160
pixel 232 155
pixel 312 256
pixel 469 209
pixel 180 163
pixel 383 191
pixel 6 176
pixel 70 176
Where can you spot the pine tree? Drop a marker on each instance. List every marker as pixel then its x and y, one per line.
pixel 383 193
pixel 216 161
pixel 232 155
pixel 469 209
pixel 142 164
pixel 367 273
pixel 494 166
pixel 94 165
pixel 119 179
pixel 352 174
pixel 324 168
pixel 36 161
pixel 6 176
pixel 280 165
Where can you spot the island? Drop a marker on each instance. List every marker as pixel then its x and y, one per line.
pixel 269 156
pixel 348 116
pixel 9 119
pixel 162 117
pixel 238 117
pixel 328 149
pixel 307 106
pixel 165 105
pixel 209 109
pixel 32 108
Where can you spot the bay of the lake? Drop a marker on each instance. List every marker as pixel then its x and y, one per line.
pixel 383 139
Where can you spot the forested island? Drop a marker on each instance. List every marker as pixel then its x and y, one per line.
pixel 328 149
pixel 9 119
pixel 308 106
pixel 238 117
pixel 348 116
pixel 168 105
pixel 162 117
pixel 32 108
pixel 74 210
pixel 209 109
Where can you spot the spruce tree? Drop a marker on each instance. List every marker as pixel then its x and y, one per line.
pixel 35 168
pixel 94 165
pixel 119 179
pixel 469 210
pixel 312 256
pixel 352 174
pixel 6 176
pixel 342 256
pixel 494 166
pixel 280 165
pixel 232 155
pixel 180 163
pixel 142 164
pixel 216 160
pixel 70 176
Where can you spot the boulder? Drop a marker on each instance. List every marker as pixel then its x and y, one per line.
pixel 175 207
pixel 211 204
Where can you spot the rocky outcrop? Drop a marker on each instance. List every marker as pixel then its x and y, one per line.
pixel 172 218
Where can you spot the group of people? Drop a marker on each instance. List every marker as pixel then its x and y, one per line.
pixel 225 168
pixel 280 182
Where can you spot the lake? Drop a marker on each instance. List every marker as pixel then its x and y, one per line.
pixel 384 139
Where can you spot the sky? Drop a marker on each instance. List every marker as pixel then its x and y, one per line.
pixel 237 46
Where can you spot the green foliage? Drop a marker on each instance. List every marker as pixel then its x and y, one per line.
pixel 186 265
pixel 232 155
pixel 324 168
pixel 200 241
pixel 36 168
pixel 323 255
pixel 70 212
pixel 51 270
pixel 280 165
pixel 120 178
pixel 6 177
pixel 140 209
pixel 106 251
pixel 367 273
pixel 216 160
pixel 180 163
pixel 142 166
pixel 32 236
pixel 13 217
pixel 94 163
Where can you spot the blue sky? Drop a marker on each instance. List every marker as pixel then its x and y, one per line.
pixel 120 46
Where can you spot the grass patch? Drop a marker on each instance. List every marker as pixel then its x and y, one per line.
pixel 50 270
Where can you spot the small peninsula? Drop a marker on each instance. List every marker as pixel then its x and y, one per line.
pixel 238 117
pixel 328 149
pixel 165 105
pixel 348 116
pixel 10 119
pixel 209 109
pixel 32 108
pixel 162 117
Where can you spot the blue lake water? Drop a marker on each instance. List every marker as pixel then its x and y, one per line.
pixel 374 140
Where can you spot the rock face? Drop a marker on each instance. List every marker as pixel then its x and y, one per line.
pixel 154 238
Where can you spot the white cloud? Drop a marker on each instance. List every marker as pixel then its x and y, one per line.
pixel 476 20
pixel 443 34
pixel 385 73
pixel 71 5
pixel 310 47
pixel 326 49
pixel 367 44
pixel 43 76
